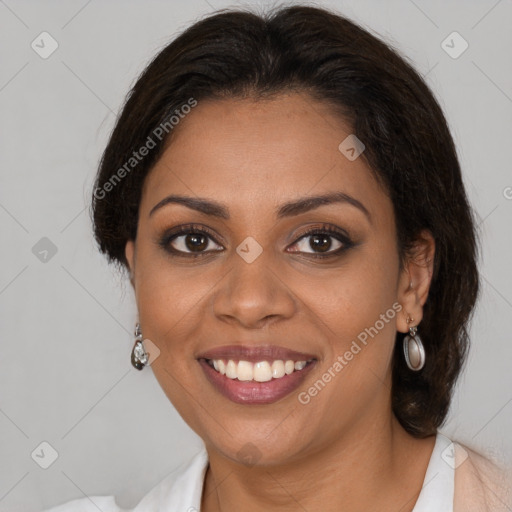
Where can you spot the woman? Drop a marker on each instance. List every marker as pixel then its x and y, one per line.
pixel 285 194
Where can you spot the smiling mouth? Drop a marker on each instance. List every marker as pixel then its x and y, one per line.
pixel 255 374
pixel 261 382
pixel 261 371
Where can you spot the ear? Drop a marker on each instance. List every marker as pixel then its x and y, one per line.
pixel 414 281
pixel 129 252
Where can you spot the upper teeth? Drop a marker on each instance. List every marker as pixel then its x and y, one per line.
pixel 261 371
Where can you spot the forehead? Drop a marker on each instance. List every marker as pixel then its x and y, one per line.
pixel 245 153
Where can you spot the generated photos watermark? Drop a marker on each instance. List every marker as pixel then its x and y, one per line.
pixel 159 133
pixel 304 397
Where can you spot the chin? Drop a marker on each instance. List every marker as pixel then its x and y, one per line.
pixel 259 450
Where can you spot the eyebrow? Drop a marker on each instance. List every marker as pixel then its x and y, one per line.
pixel 305 204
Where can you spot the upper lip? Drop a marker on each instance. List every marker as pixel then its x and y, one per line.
pixel 255 353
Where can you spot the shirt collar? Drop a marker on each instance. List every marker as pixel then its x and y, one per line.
pixel 438 485
pixel 180 491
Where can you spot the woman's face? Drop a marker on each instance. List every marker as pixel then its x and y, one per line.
pixel 249 284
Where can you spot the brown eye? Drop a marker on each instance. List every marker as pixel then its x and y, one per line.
pixel 318 243
pixel 322 243
pixel 193 242
pixel 189 241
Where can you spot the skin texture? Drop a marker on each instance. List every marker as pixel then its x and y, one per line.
pixel 344 450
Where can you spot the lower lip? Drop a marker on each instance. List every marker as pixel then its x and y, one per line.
pixel 252 392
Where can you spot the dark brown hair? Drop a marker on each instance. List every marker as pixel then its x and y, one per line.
pixel 409 149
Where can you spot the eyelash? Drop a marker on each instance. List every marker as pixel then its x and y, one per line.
pixel 192 229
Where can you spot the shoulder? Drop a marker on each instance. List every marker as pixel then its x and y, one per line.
pixel 481 482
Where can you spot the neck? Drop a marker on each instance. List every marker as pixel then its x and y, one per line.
pixel 359 472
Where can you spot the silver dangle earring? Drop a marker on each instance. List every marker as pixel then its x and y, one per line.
pixel 413 349
pixel 140 357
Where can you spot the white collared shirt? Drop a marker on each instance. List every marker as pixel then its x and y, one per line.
pixel 181 490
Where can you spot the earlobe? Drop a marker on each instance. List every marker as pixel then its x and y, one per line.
pixel 415 280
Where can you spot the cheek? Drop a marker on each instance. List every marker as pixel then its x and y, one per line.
pixel 352 298
pixel 356 307
pixel 171 305
pixel 167 291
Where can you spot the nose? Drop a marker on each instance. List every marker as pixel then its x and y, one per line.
pixel 253 294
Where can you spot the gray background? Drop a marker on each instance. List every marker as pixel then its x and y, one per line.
pixel 67 322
